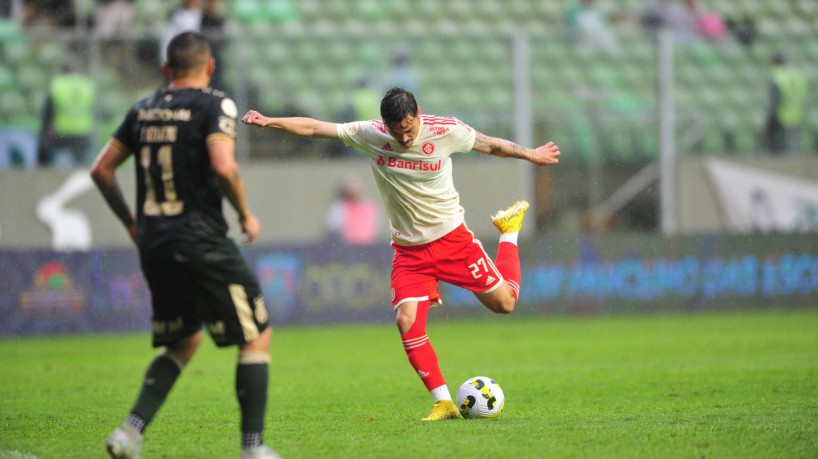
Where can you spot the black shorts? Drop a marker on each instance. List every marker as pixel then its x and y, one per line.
pixel 213 286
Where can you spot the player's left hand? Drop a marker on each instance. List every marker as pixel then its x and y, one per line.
pixel 254 118
pixel 546 154
pixel 250 227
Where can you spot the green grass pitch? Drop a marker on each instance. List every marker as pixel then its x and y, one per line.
pixel 726 385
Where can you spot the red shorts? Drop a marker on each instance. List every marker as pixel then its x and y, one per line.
pixel 457 258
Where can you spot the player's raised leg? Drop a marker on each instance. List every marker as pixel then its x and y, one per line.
pixel 411 321
pixel 509 222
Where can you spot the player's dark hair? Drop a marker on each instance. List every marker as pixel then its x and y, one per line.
pixel 187 51
pixel 396 105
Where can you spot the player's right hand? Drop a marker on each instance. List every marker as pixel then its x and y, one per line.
pixel 250 227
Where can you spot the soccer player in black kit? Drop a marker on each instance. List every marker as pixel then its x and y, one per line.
pixel 183 141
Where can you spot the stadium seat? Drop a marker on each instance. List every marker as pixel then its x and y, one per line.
pixel 8 80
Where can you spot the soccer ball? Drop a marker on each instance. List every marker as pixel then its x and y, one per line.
pixel 480 397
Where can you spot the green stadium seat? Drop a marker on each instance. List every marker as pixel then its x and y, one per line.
pixel 280 11
pixel 8 80
pixel 13 104
pixel 152 12
pixel 32 78
pixel 15 52
pixel 10 31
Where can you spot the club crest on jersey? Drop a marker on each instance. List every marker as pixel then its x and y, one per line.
pixel 386 147
pixel 428 148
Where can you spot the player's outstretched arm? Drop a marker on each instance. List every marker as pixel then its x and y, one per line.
pixel 300 126
pixel 542 156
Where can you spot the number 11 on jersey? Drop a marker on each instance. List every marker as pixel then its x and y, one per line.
pixel 171 205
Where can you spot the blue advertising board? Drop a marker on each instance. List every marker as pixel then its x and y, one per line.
pixel 46 292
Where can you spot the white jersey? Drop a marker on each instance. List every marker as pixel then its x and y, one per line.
pixel 416 182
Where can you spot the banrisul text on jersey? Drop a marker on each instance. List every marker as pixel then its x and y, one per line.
pixel 411 165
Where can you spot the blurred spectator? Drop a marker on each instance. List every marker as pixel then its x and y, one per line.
pixel 187 16
pixel 7 8
pixel 401 73
pixel 363 104
pixel 365 101
pixel 112 20
pixel 587 26
pixel 112 17
pixel 67 120
pixel 351 218
pixel 49 13
pixel 744 30
pixel 212 27
pixel 18 147
pixel 710 25
pixel 680 19
pixel 785 107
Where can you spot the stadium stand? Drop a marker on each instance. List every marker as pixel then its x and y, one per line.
pixel 305 55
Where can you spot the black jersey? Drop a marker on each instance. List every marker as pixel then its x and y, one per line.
pixel 178 195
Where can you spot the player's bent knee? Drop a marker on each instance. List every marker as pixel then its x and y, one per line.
pixel 507 307
pixel 504 306
pixel 404 323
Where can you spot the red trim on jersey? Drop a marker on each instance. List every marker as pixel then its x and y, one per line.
pixel 432 120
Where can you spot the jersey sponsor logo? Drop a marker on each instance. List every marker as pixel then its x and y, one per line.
pixel 428 148
pixel 438 130
pixel 386 147
pixel 396 163
pixel 163 114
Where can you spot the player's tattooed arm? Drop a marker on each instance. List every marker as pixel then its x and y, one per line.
pixel 543 155
pixel 499 147
pixel 223 161
pixel 103 173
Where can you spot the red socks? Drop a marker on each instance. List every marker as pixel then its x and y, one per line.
pixel 421 354
pixel 508 263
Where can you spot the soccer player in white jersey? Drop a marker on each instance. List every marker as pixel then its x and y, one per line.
pixel 410 159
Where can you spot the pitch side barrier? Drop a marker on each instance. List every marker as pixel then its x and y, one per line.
pixel 47 292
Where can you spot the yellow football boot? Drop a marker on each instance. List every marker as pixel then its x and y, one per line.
pixel 443 410
pixel 510 220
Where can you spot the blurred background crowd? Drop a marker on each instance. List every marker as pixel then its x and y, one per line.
pixel 743 77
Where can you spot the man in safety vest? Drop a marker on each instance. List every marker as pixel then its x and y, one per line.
pixel 785 111
pixel 68 120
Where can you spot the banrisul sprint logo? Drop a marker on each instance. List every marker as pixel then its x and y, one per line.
pixel 395 163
